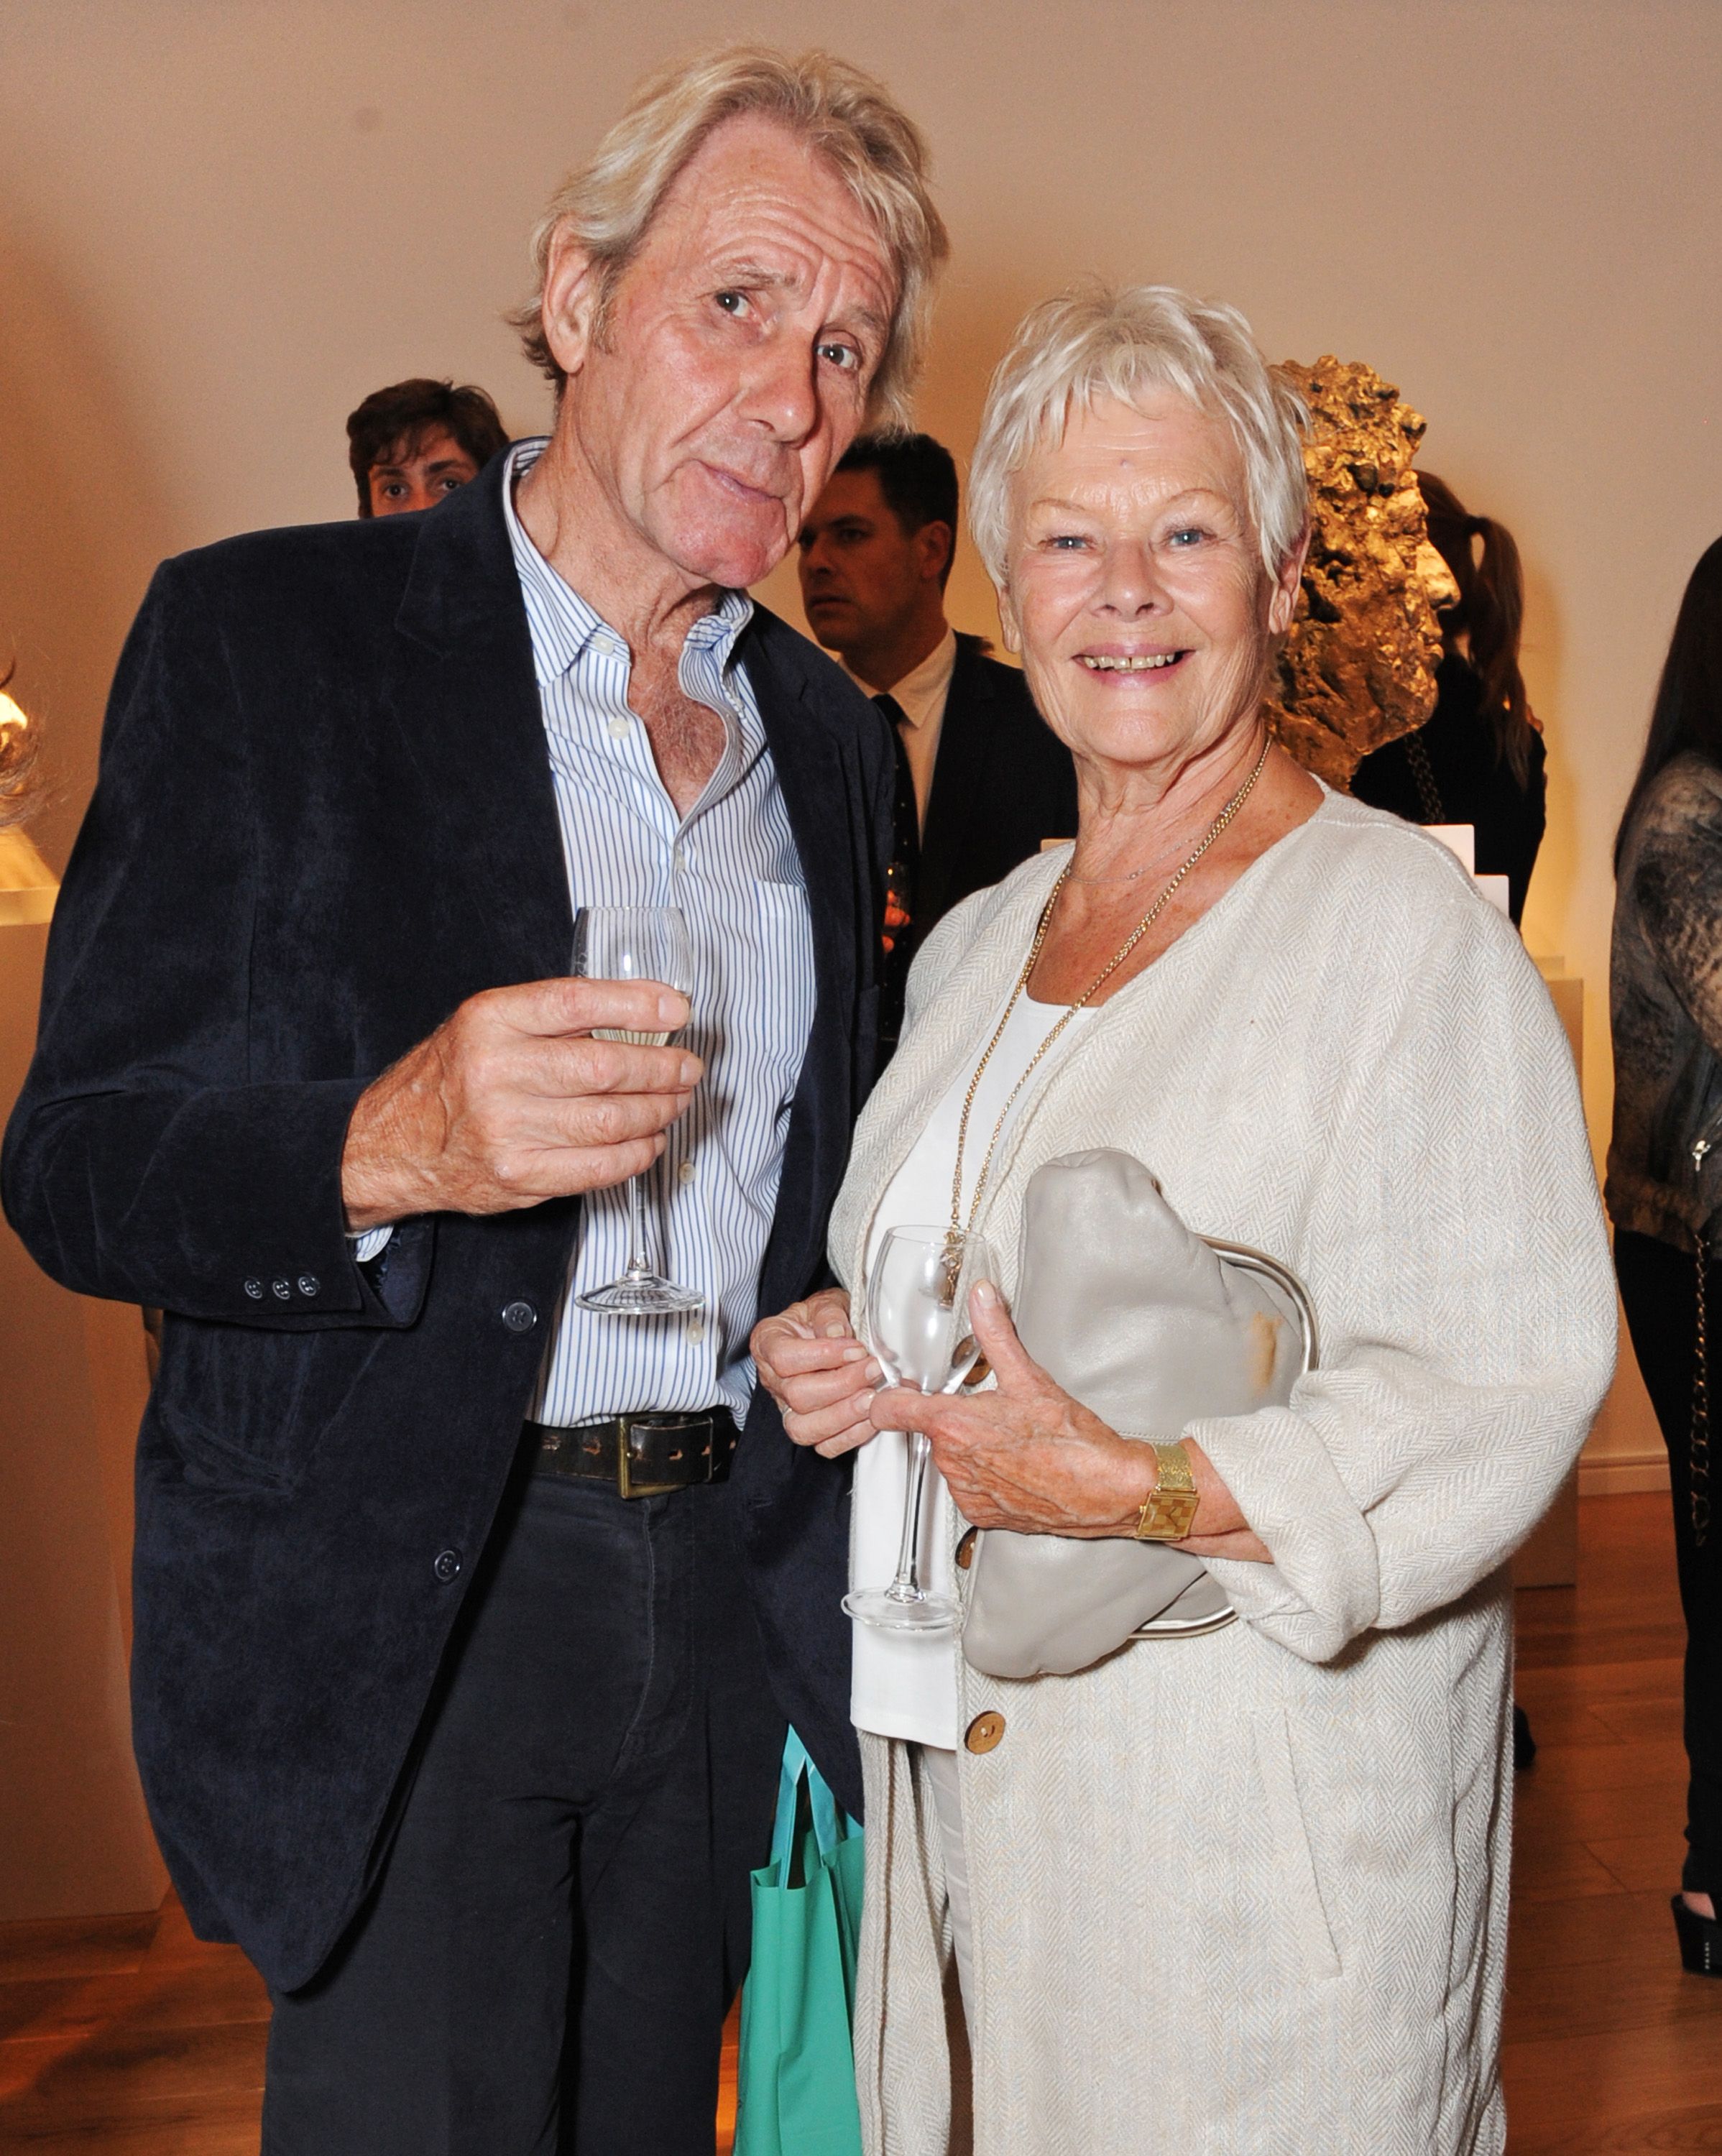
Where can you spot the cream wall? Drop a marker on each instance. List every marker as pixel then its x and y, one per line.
pixel 75 1838
pixel 221 224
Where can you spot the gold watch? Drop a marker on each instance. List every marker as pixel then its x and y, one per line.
pixel 1169 1510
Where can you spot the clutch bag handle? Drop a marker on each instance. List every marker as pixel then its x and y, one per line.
pixel 1258 1262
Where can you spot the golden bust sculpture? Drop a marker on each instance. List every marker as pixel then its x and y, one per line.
pixel 1357 667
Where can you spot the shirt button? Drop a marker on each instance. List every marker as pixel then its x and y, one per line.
pixel 519 1316
pixel 684 1173
pixel 616 728
pixel 309 1284
pixel 253 1288
pixel 696 1328
pixel 447 1566
pixel 985 1732
pixel 282 1291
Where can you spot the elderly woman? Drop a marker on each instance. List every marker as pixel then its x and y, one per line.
pixel 1245 1892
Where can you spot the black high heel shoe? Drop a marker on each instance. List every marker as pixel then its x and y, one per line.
pixel 1700 1940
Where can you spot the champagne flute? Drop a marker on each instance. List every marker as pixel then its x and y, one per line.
pixel 635 944
pixel 917 1323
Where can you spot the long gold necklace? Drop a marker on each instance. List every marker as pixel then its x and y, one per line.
pixel 1099 980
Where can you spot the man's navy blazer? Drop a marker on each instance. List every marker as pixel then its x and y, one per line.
pixel 325 817
pixel 1002 781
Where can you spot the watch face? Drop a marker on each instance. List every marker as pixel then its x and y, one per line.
pixel 1171 1514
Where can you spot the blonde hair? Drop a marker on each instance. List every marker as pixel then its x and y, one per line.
pixel 847 117
pixel 1101 340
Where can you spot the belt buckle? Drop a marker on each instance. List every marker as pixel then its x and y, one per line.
pixel 627 1485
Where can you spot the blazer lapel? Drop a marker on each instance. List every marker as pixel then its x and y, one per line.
pixel 960 776
pixel 819 790
pixel 467 704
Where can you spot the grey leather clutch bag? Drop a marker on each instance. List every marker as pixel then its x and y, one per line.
pixel 1151 1326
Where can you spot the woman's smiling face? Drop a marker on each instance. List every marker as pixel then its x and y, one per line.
pixel 1136 591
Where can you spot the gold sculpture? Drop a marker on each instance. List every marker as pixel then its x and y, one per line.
pixel 1357 667
pixel 17 759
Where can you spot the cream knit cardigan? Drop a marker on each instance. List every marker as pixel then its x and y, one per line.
pixel 1245 1895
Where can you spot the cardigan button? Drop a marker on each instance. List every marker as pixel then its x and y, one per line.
pixel 519 1316
pixel 447 1566
pixel 984 1732
pixel 965 1550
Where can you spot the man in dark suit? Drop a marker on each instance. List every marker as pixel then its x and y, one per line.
pixel 982 779
pixel 467 1626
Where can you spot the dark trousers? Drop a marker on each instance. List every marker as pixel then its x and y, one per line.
pixel 1658 1288
pixel 563 1918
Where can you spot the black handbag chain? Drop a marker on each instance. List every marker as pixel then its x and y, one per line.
pixel 1699 1442
pixel 1699 1438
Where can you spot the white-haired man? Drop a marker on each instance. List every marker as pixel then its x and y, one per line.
pixel 464 1651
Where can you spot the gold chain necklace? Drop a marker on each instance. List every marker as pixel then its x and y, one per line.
pixel 1099 980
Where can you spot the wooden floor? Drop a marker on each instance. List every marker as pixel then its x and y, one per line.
pixel 128 2036
pixel 1609 2047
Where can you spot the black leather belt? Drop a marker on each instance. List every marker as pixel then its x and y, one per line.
pixel 638 1455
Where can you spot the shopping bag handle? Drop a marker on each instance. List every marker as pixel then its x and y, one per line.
pixel 823 1805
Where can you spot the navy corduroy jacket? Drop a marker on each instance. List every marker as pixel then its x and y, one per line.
pixel 324 817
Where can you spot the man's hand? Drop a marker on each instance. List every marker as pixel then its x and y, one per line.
pixel 510 1102
pixel 1028 1456
pixel 818 1373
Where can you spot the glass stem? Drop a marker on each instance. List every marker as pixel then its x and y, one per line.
pixel 907 1581
pixel 638 1267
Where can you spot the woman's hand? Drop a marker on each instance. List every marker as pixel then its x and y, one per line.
pixel 818 1373
pixel 1029 1457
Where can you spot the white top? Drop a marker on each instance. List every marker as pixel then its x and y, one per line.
pixel 921 696
pixel 904 1684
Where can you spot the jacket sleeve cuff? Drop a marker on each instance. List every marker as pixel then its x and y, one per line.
pixel 1323 1586
pixel 237 1214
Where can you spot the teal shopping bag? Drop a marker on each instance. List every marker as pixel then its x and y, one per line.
pixel 795 2081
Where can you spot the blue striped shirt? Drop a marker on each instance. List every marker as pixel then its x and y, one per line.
pixel 732 866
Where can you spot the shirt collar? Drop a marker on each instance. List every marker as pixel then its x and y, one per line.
pixel 921 694
pixel 561 621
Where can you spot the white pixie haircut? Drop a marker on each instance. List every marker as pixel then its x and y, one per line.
pixel 1094 341
pixel 845 116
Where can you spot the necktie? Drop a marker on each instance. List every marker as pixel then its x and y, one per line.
pixel 906 817
pixel 900 879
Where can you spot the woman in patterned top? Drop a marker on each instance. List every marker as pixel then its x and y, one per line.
pixel 1665 1189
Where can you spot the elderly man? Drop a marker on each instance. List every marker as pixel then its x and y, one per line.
pixel 466 1736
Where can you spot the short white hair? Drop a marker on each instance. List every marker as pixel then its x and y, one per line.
pixel 843 115
pixel 1099 341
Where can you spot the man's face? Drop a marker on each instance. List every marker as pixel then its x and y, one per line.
pixel 733 365
pixel 416 472
pixel 863 578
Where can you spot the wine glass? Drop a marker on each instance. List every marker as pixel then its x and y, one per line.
pixel 917 1323
pixel 635 944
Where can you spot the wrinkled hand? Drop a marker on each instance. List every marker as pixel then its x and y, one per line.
pixel 818 1373
pixel 510 1102
pixel 1029 1457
